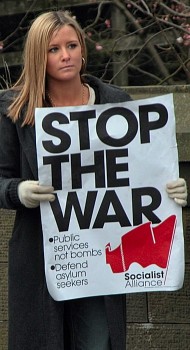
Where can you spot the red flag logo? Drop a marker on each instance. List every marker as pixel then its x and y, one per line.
pixel 145 245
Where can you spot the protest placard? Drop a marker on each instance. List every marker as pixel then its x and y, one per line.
pixel 112 228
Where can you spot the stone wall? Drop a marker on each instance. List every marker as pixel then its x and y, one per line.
pixel 156 321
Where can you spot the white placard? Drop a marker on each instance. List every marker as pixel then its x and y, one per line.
pixel 112 228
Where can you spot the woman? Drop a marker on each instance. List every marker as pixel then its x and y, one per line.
pixel 54 63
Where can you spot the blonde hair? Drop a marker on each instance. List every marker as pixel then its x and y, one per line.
pixel 32 82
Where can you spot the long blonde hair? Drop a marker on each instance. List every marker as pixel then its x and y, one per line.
pixel 32 82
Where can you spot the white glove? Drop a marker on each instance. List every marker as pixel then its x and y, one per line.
pixel 178 191
pixel 31 193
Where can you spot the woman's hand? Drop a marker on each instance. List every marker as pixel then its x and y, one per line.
pixel 31 193
pixel 178 191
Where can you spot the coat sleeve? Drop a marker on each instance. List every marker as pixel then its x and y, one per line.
pixel 9 162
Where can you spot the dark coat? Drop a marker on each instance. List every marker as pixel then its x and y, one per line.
pixel 35 319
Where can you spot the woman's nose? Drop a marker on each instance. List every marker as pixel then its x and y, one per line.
pixel 65 54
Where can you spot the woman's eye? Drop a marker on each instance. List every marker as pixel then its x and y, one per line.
pixel 53 49
pixel 72 46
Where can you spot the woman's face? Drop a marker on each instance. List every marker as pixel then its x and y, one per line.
pixel 64 58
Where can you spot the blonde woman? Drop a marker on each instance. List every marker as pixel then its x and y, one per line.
pixel 53 68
